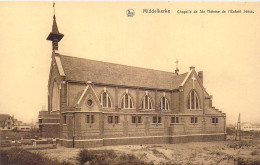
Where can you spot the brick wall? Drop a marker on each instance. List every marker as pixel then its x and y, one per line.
pixel 100 129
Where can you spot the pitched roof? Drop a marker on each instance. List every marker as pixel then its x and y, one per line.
pixel 54 26
pixel 79 69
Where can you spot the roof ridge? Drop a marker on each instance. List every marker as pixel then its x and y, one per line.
pixel 82 69
pixel 124 65
pixel 183 73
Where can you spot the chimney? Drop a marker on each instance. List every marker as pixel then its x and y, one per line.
pixel 200 74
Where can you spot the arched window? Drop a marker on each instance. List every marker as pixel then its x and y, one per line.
pixel 147 102
pixel 193 101
pixel 127 102
pixel 164 104
pixel 105 100
pixel 55 97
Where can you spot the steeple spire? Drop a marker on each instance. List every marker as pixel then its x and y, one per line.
pixel 55 36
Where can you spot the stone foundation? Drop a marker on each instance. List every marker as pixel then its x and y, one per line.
pixel 91 143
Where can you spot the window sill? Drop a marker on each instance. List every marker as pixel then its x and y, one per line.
pixel 128 109
pixel 147 110
pixel 64 124
pixel 176 123
pixel 107 108
pixel 165 111
pixel 194 123
pixel 195 109
pixel 136 123
pixel 156 123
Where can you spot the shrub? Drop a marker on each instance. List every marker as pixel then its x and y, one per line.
pixel 218 153
pixel 155 152
pixel 107 157
pixel 17 156
pixel 95 156
pixel 230 131
pixel 84 156
pixel 129 159
pixel 240 144
pixel 256 134
pixel 244 161
pixel 205 148
pixel 255 152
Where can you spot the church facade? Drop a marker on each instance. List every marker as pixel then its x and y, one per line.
pixel 93 103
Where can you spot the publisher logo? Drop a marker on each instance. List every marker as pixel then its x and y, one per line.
pixel 130 12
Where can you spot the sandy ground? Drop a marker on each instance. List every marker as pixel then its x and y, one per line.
pixel 185 153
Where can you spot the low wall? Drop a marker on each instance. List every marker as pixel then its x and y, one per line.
pixel 141 140
pixel 197 138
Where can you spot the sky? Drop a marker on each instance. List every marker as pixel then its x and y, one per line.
pixel 224 46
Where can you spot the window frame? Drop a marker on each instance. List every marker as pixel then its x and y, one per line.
pixel 113 119
pixel 107 98
pixel 166 104
pixel 175 120
pixel 157 120
pixel 147 103
pixel 214 120
pixel 90 119
pixel 64 119
pixel 129 102
pixel 154 119
pixel 87 118
pixel 133 119
pixel 110 121
pixel 136 119
pixel 117 121
pixel 193 101
pixel 194 120
pixel 139 119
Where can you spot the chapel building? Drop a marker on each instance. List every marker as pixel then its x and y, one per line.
pixel 93 103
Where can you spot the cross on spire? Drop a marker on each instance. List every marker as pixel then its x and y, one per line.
pixel 53 9
pixel 193 79
pixel 177 70
pixel 177 63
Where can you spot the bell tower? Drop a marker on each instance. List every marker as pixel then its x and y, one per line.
pixel 55 36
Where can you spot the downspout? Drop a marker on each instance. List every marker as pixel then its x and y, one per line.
pixel 73 137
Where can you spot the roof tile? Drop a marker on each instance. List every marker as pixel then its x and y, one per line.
pixel 79 69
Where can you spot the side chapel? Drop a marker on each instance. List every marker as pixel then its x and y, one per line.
pixel 93 103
